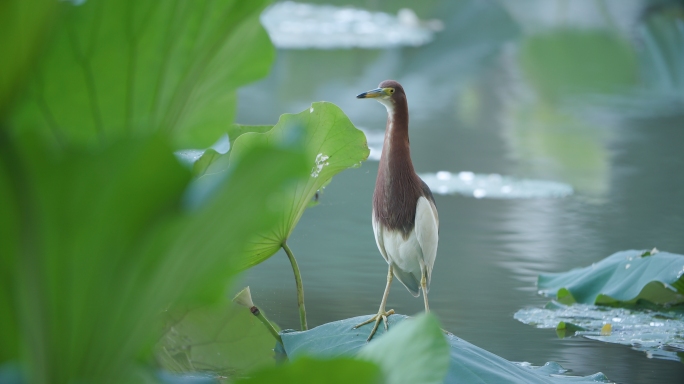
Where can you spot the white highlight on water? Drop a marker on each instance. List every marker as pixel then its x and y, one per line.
pixel 294 25
pixel 493 186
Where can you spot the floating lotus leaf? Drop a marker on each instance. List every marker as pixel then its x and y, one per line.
pixel 467 362
pixel 620 279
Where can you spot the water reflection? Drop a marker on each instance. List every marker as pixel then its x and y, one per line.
pixel 535 15
pixel 471 108
pixel 300 25
pixel 492 186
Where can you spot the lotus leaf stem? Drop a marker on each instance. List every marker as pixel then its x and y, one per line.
pixel 256 312
pixel 300 287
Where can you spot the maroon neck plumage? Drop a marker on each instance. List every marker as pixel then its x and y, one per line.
pixel 397 187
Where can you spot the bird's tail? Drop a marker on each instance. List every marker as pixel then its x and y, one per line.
pixel 410 281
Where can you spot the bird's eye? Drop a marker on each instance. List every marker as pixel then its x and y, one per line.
pixel 391 90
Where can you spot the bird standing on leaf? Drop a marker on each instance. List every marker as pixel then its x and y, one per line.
pixel 405 220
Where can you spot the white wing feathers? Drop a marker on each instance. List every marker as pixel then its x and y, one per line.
pixel 427 232
pixel 412 255
pixel 379 239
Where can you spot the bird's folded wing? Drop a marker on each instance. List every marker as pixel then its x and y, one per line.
pixel 427 232
pixel 379 239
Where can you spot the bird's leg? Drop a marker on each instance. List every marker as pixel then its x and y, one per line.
pixel 382 314
pixel 423 284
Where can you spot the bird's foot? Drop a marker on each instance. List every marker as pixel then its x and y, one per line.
pixel 381 316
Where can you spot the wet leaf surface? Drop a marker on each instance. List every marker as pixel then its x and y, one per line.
pixel 658 333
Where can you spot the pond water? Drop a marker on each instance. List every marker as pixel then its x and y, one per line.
pixel 473 110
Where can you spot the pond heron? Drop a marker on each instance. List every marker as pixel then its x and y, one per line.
pixel 405 220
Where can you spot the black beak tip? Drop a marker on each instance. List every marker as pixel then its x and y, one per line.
pixel 361 95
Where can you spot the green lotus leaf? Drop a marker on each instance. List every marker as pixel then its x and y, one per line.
pixel 117 68
pixel 210 162
pixel 565 297
pixel 24 25
pixel 467 363
pixel 9 233
pixel 331 144
pixel 565 329
pixel 201 166
pixel 235 130
pixel 97 213
pixel 414 352
pixel 108 236
pixel 216 237
pixel 620 279
pixel 225 339
pixel 342 370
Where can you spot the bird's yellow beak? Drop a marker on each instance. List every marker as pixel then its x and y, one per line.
pixel 377 92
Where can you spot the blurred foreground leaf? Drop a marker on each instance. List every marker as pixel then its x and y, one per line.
pixel 84 223
pixel 23 28
pixel 123 67
pixel 9 247
pixel 225 339
pixel 342 370
pixel 414 352
pixel 620 279
pixel 97 244
pixel 467 362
